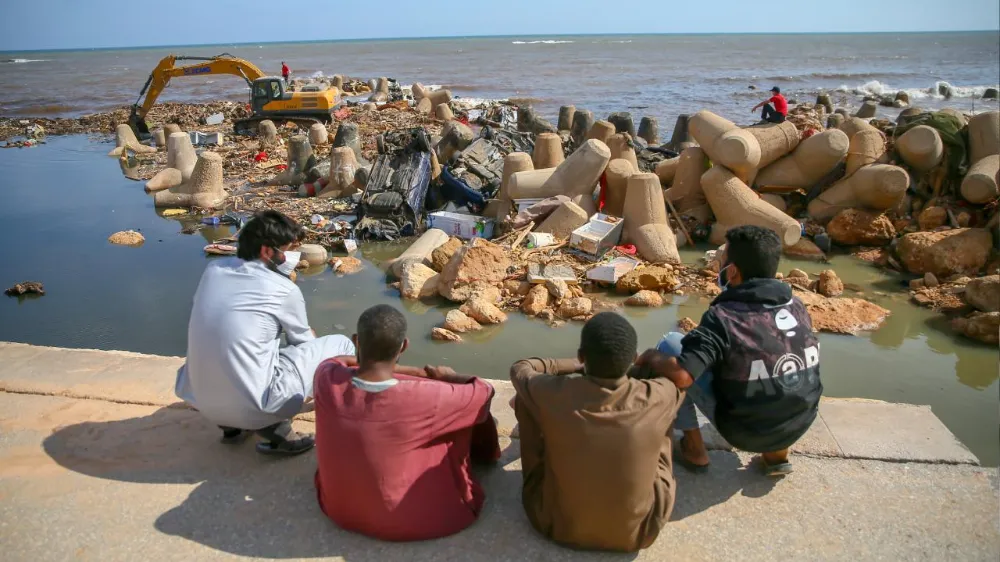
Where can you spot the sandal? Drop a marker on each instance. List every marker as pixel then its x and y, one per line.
pixel 690 466
pixel 287 448
pixel 776 470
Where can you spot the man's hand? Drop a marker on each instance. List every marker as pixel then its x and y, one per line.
pixel 347 360
pixel 439 372
pixel 663 365
pixel 654 360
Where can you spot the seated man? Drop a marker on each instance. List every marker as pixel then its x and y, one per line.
pixel 773 113
pixel 754 360
pixel 394 443
pixel 237 374
pixel 595 447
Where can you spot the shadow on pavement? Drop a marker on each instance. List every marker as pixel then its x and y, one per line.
pixel 726 477
pixel 250 505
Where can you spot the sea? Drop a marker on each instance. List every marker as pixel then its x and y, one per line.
pixel 660 76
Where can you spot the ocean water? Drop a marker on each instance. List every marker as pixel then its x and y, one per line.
pixel 656 75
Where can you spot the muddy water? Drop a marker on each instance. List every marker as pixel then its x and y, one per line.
pixel 62 200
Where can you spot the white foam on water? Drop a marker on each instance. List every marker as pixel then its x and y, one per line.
pixel 542 42
pixel 937 91
pixel 317 74
pixel 25 61
pixel 466 103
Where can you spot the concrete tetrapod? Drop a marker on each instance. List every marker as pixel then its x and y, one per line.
pixel 649 130
pixel 667 170
pixel 125 138
pixel 418 91
pixel 513 163
pixel 443 112
pixel 685 192
pixel 337 82
pixel 548 152
pixel 455 137
pixel 775 141
pixel 646 223
pixel 343 174
pixel 424 106
pixel 181 159
pixel 866 147
pixel 878 187
pixel 735 204
pixel 814 158
pixel 620 145
pixel 576 176
pixel 726 144
pixel 834 121
pixel 204 190
pixel 420 250
pixel 347 135
pixel 921 148
pixel 867 109
pixel 566 114
pixel 852 126
pixel 681 137
pixel 437 97
pixel 602 131
pixel 622 120
pixel 267 131
pixel 529 121
pixel 159 138
pixel 318 134
pixel 980 183
pixel 171 128
pixel 617 174
pixel 300 159
pixel 583 121
pixel 564 220
pixel 984 135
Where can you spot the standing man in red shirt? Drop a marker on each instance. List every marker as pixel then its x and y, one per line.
pixel 394 444
pixel 775 113
pixel 285 71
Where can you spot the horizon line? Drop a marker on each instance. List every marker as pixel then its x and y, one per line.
pixel 503 36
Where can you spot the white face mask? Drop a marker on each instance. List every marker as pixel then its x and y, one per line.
pixel 291 260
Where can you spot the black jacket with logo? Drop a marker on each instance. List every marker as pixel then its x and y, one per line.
pixel 757 340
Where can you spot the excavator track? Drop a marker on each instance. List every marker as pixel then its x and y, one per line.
pixel 248 126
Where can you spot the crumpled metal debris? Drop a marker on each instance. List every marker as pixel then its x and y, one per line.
pixel 392 204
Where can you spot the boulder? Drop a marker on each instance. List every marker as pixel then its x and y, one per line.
pixel 798 273
pixel 443 253
pixel 575 307
pixel 984 293
pixel 479 261
pixel 932 217
pixel 418 281
pixel 829 284
pixel 485 291
pixel 536 301
pixel 805 249
pixel 853 227
pixel 962 250
pixel 458 321
pixel 483 311
pixel 558 289
pixel 842 315
pixel 981 326
pixel 645 298
pixel 441 334
pixel 685 325
pixel 652 278
pixel 313 253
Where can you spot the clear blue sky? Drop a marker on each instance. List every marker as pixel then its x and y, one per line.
pixel 73 24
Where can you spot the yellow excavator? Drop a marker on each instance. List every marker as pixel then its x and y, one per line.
pixel 269 98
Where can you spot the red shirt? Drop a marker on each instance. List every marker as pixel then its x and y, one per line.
pixel 284 70
pixel 780 103
pixel 394 464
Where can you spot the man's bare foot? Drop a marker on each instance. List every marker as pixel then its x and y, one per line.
pixel 692 450
pixel 775 457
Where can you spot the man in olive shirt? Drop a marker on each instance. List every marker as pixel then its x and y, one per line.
pixel 595 447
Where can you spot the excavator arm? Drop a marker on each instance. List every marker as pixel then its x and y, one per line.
pixel 166 69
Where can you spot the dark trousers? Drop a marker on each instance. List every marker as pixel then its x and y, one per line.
pixel 277 433
pixel 770 115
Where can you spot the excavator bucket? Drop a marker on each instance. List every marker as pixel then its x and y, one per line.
pixel 138 125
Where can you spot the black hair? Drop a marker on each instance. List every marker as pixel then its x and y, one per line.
pixel 381 331
pixel 608 345
pixel 754 250
pixel 776 90
pixel 269 229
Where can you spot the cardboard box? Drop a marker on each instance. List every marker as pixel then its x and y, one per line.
pixel 613 270
pixel 466 227
pixel 597 236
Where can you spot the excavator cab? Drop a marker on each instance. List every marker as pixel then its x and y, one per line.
pixel 265 91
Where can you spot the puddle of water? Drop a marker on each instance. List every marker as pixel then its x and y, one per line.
pixel 62 200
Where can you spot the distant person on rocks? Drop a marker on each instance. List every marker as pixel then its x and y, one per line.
pixel 752 365
pixel 237 374
pixel 394 444
pixel 595 447
pixel 773 113
pixel 285 72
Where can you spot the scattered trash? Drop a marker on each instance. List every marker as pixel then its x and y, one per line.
pixel 612 271
pixel 214 119
pixel 466 227
pixel 597 236
pixel 538 273
pixel 393 200
pixel 203 139
pixel 540 240
pixel 24 288
pixel 220 250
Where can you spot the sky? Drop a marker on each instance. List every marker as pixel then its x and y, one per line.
pixel 81 24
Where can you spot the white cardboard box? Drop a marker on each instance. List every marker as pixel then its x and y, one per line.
pixel 613 270
pixel 466 227
pixel 597 236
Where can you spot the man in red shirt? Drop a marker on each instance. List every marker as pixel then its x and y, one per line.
pixel 285 71
pixel 775 113
pixel 394 444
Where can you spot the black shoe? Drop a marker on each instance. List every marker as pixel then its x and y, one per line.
pixel 288 447
pixel 234 436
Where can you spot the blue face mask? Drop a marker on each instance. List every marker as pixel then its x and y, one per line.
pixel 721 280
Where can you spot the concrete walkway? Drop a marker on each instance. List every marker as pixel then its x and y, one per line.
pixel 99 462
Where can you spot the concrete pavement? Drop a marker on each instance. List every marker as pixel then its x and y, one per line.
pixel 98 462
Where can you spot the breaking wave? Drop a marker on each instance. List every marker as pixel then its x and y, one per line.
pixel 940 90
pixel 24 61
pixel 542 42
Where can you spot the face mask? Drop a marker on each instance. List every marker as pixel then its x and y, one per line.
pixel 721 280
pixel 287 263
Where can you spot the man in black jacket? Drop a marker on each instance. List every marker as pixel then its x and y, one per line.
pixel 752 365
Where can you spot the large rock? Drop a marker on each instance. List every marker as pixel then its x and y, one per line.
pixel 645 298
pixel 982 326
pixel 557 288
pixel 984 293
pixel 932 217
pixel 441 334
pixel 962 250
pixel 443 253
pixel 536 301
pixel 458 321
pixel 829 284
pixel 852 227
pixel 575 307
pixel 652 278
pixel 805 249
pixel 842 315
pixel 418 281
pixel 483 311
pixel 479 261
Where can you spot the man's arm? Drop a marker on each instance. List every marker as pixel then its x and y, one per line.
pixel 703 347
pixel 292 317
pixel 527 368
